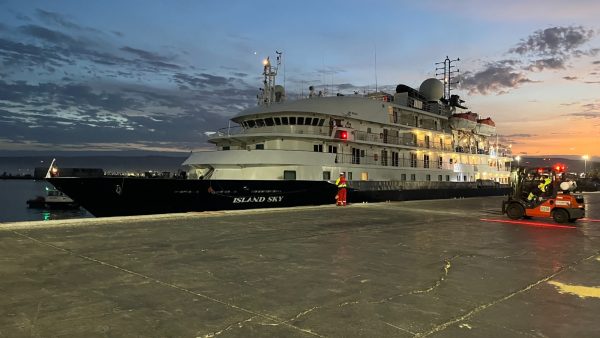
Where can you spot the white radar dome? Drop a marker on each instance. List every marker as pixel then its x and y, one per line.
pixel 432 89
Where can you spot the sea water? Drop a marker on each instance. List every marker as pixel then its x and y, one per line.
pixel 13 202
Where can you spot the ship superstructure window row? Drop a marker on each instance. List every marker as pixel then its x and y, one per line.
pixel 283 120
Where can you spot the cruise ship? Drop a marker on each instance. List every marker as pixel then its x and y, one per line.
pixel 416 143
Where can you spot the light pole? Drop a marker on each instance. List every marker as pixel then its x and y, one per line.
pixel 518 158
pixel 585 158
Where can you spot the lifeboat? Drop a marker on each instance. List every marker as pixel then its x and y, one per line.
pixel 463 121
pixel 485 127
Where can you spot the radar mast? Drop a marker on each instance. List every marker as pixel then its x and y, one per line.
pixel 270 92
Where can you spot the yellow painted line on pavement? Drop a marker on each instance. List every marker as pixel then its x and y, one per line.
pixel 577 290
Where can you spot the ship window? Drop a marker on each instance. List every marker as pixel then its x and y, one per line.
pixel 318 148
pixel 269 121
pixel 368 130
pixel 226 147
pixel 364 176
pixel 403 177
pixel 289 175
pixel 307 121
pixel 260 123
pixel 250 123
pixel 284 120
pixel 292 120
pixel 321 122
pixel 277 120
pixel 384 157
pixel 428 177
pixel 413 177
pixel 315 121
pixel 448 178
pixel 260 146
pixel 440 178
pixel 332 149
pixel 465 178
pixel 394 159
pixel 413 160
pixel 355 155
pixel 326 175
pixel 349 174
pixel 300 120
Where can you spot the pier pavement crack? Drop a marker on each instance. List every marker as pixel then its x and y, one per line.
pixel 436 284
pixel 482 307
pixel 171 285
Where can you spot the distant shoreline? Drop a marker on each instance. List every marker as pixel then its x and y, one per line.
pixel 24 177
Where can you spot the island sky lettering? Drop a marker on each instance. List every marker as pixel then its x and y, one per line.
pixel 258 199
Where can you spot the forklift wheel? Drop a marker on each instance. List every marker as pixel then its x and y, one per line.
pixel 560 215
pixel 515 211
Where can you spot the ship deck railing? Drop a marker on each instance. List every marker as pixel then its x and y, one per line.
pixel 390 160
pixel 379 138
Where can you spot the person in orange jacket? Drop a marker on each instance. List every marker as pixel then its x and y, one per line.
pixel 341 195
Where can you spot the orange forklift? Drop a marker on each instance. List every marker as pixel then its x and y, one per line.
pixel 543 192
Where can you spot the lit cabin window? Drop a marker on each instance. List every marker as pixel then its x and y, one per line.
pixel 364 176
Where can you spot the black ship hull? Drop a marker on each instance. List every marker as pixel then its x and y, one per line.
pixel 123 196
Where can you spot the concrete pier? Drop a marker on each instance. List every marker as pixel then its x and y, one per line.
pixel 440 268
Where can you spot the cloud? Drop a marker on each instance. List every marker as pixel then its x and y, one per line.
pixel 546 49
pixel 53 18
pixel 540 65
pixel 553 41
pixel 493 79
pixel 587 115
pixel 521 135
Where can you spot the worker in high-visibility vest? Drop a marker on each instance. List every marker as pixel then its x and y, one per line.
pixel 341 195
pixel 542 187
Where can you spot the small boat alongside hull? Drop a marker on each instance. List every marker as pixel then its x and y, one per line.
pixel 54 200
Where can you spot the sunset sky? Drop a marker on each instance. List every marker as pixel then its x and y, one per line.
pixel 156 75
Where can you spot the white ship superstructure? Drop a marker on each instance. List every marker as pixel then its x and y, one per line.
pixel 410 136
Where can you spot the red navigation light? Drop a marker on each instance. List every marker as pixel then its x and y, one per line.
pixel 343 135
pixel 560 167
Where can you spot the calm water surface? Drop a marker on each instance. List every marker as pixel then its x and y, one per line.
pixel 13 202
